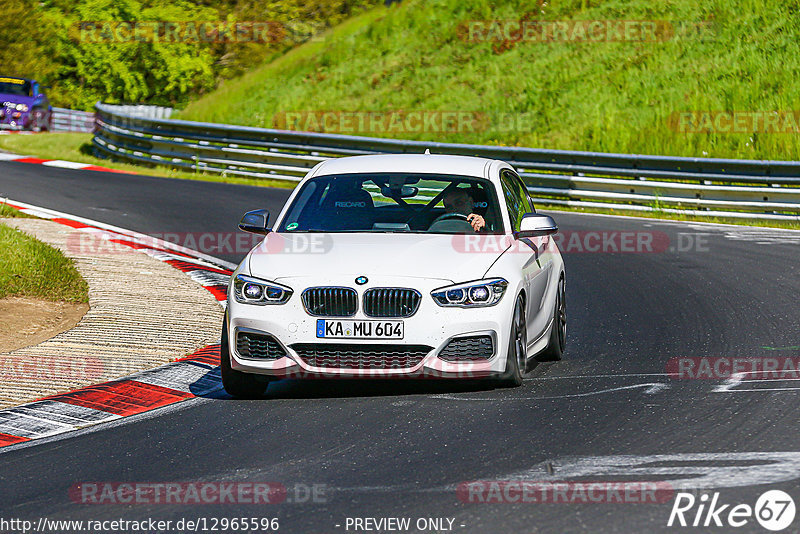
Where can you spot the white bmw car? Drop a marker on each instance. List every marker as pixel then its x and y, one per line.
pixel 394 266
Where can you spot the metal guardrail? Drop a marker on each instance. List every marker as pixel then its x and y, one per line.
pixel 701 186
pixel 69 120
pixel 141 111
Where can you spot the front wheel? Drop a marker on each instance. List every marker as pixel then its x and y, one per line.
pixel 237 383
pixel 517 355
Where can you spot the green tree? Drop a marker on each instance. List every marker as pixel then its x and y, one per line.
pixel 98 61
pixel 24 52
pixel 86 61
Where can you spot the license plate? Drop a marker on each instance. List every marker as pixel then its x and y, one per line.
pixel 359 329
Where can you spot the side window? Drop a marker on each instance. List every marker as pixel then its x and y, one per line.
pixel 304 197
pixel 516 198
pixel 529 208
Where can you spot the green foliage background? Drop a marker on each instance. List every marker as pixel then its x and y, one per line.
pixel 41 40
pixel 413 56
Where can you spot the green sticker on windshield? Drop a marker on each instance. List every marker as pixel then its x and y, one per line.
pixel 291 226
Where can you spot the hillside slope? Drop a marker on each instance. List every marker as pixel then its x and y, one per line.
pixel 567 84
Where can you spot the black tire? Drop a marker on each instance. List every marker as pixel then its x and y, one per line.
pixel 38 127
pixel 516 356
pixel 558 334
pixel 237 383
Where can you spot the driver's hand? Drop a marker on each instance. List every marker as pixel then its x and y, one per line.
pixel 476 221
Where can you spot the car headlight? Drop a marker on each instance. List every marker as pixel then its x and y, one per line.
pixel 248 290
pixel 22 107
pixel 480 293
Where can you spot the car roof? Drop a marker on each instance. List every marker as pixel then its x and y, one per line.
pixel 411 163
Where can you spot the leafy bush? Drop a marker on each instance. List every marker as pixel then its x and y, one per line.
pixel 85 63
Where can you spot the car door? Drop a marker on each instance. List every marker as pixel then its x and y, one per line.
pixel 535 260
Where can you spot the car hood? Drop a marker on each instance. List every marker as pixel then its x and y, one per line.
pixel 17 99
pixel 443 257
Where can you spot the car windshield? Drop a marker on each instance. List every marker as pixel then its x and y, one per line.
pixel 394 202
pixel 15 86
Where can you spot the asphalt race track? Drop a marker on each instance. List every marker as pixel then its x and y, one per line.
pixel 401 449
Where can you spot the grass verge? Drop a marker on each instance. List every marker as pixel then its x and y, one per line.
pixel 30 268
pixel 8 211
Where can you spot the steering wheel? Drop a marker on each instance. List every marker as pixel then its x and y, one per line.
pixel 456 219
pixel 450 217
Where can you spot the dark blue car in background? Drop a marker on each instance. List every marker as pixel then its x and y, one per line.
pixel 23 105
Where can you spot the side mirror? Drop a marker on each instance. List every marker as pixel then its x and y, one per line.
pixel 535 225
pixel 255 222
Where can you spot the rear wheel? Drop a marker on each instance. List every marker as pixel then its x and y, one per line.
pixel 237 383
pixel 558 334
pixel 517 355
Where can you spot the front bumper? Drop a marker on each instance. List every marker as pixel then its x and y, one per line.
pixel 9 120
pixel 431 326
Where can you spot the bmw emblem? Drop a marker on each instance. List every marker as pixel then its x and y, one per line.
pixel 361 280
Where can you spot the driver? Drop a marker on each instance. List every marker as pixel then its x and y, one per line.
pixel 459 201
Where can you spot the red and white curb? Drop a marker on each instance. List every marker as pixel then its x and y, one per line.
pixel 196 375
pixel 59 163
pixel 193 376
